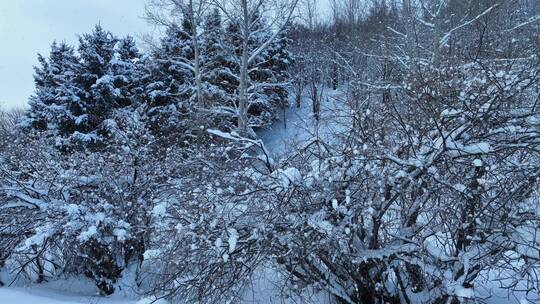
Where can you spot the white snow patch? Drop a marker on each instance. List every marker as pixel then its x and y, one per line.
pixel 88 234
pixel 152 300
pixel 233 239
pixel 477 163
pixel 288 176
pixel 151 254
pixel 160 210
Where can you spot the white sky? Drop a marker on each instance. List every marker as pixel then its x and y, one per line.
pixel 28 27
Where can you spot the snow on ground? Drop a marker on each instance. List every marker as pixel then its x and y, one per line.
pixel 47 295
pixel 299 124
pixel 43 296
pixel 267 288
pixel 65 291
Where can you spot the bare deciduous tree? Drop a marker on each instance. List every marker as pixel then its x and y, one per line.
pixel 245 14
pixel 167 13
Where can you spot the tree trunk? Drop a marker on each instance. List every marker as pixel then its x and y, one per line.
pixel 243 100
pixel 316 100
pixel 196 63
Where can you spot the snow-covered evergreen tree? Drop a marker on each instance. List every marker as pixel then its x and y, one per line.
pixel 169 81
pixel 267 77
pixel 247 17
pixel 217 77
pixel 76 93
pixel 272 73
pixel 126 69
pixel 56 92
pixel 95 78
pixel 260 109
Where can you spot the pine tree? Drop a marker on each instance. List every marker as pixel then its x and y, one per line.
pixel 76 94
pixel 169 80
pixel 277 60
pixel 261 108
pixel 56 92
pixel 233 45
pixel 213 51
pixel 127 72
pixel 267 73
pixel 218 78
pixel 100 95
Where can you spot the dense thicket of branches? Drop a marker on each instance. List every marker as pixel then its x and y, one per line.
pixel 421 187
pixel 432 185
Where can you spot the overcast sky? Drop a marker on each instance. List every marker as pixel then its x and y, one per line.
pixel 28 27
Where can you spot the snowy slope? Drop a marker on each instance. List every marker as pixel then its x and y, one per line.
pixel 299 124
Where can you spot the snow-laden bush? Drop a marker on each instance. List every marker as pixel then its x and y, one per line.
pixel 209 229
pixel 82 213
pixel 423 194
pixel 431 190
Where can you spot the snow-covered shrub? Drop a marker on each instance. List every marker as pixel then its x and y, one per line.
pixel 207 241
pixel 431 186
pixel 421 195
pixel 27 170
pixel 80 213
